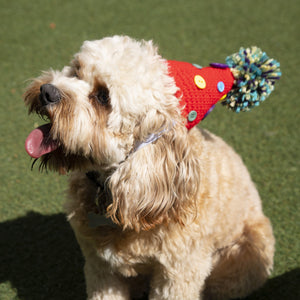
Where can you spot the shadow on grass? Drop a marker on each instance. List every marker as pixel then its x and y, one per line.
pixel 40 257
pixel 285 286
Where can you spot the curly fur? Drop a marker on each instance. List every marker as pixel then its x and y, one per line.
pixel 183 231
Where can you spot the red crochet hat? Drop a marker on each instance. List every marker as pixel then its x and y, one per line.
pixel 245 80
pixel 200 88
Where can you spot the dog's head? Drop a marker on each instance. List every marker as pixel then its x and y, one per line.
pixel 114 95
pixel 115 92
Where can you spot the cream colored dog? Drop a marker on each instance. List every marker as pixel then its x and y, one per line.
pixel 154 207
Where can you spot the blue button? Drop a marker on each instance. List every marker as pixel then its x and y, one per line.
pixel 221 86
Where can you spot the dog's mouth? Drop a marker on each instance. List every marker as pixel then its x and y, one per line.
pixel 39 142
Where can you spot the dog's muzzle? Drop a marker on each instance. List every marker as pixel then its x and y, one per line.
pixel 49 94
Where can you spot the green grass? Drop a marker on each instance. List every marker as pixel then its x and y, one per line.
pixel 39 257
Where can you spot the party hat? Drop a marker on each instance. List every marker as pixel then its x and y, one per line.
pixel 242 83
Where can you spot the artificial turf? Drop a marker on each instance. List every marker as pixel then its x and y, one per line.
pixel 39 257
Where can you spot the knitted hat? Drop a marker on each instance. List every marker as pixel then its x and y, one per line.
pixel 245 80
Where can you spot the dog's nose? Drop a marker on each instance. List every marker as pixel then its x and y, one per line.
pixel 49 94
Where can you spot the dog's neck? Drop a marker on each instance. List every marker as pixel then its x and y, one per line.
pixel 151 138
pixel 103 197
pixel 101 200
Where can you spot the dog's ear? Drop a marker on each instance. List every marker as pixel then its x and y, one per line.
pixel 156 183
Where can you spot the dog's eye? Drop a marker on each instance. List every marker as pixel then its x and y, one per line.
pixel 102 95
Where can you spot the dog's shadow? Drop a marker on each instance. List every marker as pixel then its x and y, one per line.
pixel 40 258
pixel 285 286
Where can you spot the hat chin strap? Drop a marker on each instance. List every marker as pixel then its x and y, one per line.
pixel 151 138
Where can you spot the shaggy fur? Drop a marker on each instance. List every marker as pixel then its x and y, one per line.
pixel 185 228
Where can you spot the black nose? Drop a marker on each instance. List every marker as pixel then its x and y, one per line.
pixel 49 94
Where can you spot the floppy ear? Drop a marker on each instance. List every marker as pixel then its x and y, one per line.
pixel 156 184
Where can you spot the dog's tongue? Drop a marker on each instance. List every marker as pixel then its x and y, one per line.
pixel 39 142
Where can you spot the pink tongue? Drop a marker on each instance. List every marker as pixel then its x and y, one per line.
pixel 39 142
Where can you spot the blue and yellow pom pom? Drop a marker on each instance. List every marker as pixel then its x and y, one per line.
pixel 255 74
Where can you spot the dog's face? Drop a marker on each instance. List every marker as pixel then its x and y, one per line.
pixel 115 93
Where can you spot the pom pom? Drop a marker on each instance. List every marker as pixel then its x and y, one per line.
pixel 255 74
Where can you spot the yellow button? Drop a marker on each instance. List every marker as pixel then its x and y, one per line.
pixel 200 82
pixel 223 97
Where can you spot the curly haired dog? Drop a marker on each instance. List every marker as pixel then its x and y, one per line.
pixel 150 215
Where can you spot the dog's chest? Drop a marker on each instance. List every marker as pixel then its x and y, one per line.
pixel 127 252
pixel 126 261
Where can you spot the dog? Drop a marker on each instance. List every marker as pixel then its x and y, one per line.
pixel 155 208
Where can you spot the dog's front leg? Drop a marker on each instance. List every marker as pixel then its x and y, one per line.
pixel 181 280
pixel 102 284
